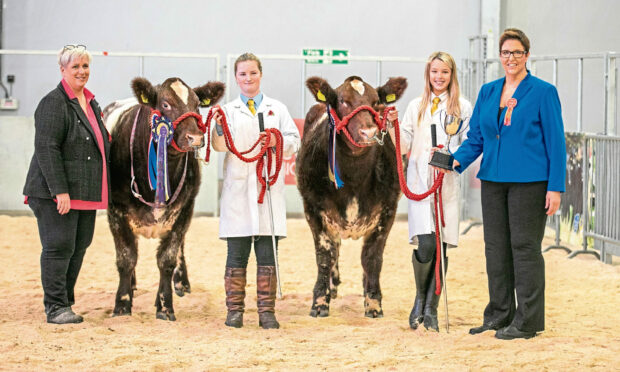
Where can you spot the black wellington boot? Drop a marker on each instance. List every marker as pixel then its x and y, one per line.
pixel 422 274
pixel 432 300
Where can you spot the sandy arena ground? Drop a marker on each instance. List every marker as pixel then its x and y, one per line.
pixel 582 314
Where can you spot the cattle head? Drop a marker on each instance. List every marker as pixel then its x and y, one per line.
pixel 354 92
pixel 173 98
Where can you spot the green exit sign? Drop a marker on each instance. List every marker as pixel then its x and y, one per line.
pixel 308 52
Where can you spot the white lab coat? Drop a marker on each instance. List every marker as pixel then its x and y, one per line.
pixel 417 139
pixel 240 213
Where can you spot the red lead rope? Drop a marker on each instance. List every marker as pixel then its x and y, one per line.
pixel 258 158
pixel 435 189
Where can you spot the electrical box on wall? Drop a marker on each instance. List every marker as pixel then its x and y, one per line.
pixel 9 104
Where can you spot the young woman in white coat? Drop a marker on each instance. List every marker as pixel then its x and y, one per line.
pixel 441 93
pixel 243 220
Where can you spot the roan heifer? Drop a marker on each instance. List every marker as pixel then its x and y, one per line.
pixel 132 210
pixel 364 205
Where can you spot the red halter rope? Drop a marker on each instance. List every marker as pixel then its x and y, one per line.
pixel 341 124
pixel 436 189
pixel 204 128
pixel 259 158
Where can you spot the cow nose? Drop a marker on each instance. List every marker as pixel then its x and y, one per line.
pixel 195 140
pixel 368 133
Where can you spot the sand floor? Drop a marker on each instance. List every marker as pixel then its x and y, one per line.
pixel 582 317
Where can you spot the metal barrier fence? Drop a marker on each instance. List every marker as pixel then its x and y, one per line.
pixel 601 196
pixel 138 55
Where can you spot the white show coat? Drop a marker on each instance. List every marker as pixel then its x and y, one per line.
pixel 240 213
pixel 417 139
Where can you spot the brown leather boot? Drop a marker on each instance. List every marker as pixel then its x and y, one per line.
pixel 234 283
pixel 266 296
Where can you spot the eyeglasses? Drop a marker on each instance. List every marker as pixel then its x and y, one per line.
pixel 73 46
pixel 515 53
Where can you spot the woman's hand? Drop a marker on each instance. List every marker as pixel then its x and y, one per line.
pixel 63 203
pixel 217 116
pixel 552 202
pixel 272 140
pixel 455 162
pixel 392 116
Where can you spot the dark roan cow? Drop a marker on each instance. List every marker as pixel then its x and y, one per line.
pixel 365 206
pixel 128 216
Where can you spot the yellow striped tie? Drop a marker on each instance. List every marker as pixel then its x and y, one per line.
pixel 251 106
pixel 435 106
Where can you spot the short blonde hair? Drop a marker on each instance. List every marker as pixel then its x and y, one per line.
pixel 72 51
pixel 248 57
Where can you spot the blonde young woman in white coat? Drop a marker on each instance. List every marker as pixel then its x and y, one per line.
pixel 441 93
pixel 242 220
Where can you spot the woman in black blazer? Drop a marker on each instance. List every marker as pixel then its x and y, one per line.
pixel 68 180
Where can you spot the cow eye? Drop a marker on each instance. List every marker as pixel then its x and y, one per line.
pixel 165 105
pixel 342 102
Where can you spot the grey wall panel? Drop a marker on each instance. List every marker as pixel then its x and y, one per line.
pixel 392 28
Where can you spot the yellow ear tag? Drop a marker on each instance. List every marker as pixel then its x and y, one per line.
pixel 320 96
pixel 206 101
pixel 143 98
pixel 390 97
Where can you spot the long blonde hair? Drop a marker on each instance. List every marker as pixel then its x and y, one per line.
pixel 454 92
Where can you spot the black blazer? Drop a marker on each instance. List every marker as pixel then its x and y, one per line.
pixel 66 156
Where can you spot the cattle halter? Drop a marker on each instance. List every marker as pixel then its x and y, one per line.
pixel 337 125
pixel 341 124
pixel 204 128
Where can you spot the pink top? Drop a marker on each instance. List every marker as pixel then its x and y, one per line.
pixel 92 119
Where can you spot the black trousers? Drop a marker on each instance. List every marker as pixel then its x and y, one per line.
pixel 239 251
pixel 64 239
pixel 514 224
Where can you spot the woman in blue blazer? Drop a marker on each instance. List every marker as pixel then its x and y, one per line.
pixel 517 126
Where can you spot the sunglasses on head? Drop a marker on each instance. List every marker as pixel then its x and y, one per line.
pixel 73 46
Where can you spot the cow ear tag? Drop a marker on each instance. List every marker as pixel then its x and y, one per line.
pixel 390 97
pixel 320 96
pixel 206 101
pixel 143 98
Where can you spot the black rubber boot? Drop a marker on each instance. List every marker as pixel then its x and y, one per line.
pixel 432 300
pixel 422 274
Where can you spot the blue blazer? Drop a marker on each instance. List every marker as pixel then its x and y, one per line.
pixel 531 149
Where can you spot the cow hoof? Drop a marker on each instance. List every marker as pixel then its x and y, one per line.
pixel 165 316
pixel 115 314
pixel 181 289
pixel 333 293
pixel 121 311
pixel 374 314
pixel 321 312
